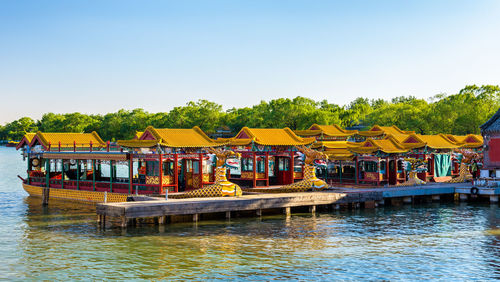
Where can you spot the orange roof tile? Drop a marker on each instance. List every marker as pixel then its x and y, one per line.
pixel 467 141
pixel 334 144
pixel 328 130
pixel 29 136
pixel 67 139
pixel 439 141
pixel 182 138
pixel 270 137
pixel 134 143
pixel 336 150
pixel 339 154
pixel 26 140
pixel 389 145
pixel 138 134
pixel 395 131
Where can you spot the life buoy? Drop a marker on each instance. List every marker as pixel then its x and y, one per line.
pixel 474 191
pixel 35 162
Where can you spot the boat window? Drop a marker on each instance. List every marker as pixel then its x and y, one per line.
pixel 168 168
pixel 261 164
pixel 284 164
pixel 152 168
pixel 271 167
pixel 297 168
pixel 400 166
pixel 370 166
pixel 383 166
pixel 247 164
pixel 207 167
pixel 189 165
pixel 196 167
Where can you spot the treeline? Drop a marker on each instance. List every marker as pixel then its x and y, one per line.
pixel 459 114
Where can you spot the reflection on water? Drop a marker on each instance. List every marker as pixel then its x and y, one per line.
pixel 62 241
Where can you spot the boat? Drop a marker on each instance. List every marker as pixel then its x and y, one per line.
pixel 82 167
pixel 11 143
pixel 162 161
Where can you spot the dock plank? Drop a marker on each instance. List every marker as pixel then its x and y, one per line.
pixel 243 203
pixel 191 206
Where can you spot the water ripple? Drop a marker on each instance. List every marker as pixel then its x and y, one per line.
pixel 428 242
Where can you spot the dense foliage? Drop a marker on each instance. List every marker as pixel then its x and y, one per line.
pixel 460 113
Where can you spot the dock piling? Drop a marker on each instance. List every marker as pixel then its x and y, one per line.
pixel 101 221
pixel 45 196
pixel 123 221
pixel 312 209
pixel 195 217
pixel 162 220
pixel 228 215
pixel 288 212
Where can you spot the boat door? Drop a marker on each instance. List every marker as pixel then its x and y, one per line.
pixel 283 170
pixel 188 174
pixel 393 173
pixel 196 174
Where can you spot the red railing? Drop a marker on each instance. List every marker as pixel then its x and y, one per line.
pixel 100 186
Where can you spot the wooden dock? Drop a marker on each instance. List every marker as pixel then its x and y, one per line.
pixel 193 208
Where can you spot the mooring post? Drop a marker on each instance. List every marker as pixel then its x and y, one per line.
pixel 162 220
pixel 312 209
pixel 101 221
pixel 288 212
pixel 258 212
pixel 123 221
pixel 45 196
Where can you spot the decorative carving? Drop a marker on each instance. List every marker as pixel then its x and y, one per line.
pixel 414 166
pixel 469 158
pixel 310 181
pixel 222 187
pixel 246 175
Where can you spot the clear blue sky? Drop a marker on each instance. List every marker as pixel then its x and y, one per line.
pixel 100 56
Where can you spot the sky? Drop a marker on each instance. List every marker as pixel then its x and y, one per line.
pixel 101 56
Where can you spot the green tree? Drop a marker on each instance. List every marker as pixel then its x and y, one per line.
pixel 406 113
pixel 123 124
pixel 71 122
pixel 203 113
pixel 464 112
pixel 18 128
pixel 356 112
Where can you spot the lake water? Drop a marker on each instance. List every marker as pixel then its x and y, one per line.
pixel 62 242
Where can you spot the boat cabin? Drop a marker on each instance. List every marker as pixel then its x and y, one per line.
pixel 268 156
